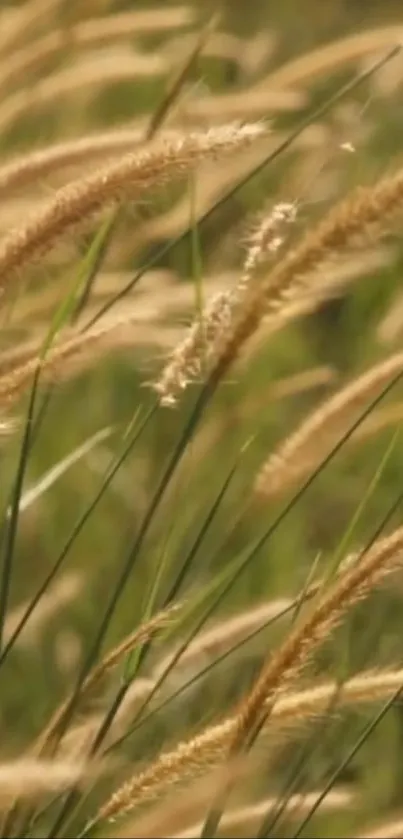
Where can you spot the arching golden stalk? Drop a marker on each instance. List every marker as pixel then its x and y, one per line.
pixel 107 68
pixel 89 33
pixel 23 20
pixel 131 176
pixel 144 633
pixel 331 56
pixel 248 818
pixel 33 166
pixel 354 582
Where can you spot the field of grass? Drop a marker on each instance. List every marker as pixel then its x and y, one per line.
pixel 201 531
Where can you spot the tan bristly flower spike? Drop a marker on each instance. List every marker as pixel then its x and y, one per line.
pixel 357 579
pixel 194 757
pixel 130 177
pixel 199 347
pixel 367 211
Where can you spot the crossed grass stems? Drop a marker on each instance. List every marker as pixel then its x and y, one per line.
pixel 10 525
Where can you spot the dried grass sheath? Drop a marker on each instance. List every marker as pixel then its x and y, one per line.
pixel 130 177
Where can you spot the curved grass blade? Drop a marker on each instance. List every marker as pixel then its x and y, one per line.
pixel 11 523
pixel 244 562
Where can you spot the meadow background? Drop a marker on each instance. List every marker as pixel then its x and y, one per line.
pixel 259 61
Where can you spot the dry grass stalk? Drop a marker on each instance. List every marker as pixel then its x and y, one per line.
pixel 248 818
pixel 77 740
pixel 89 33
pixel 250 54
pixel 301 382
pixel 390 327
pixel 196 756
pixel 141 635
pixel 222 635
pixel 62 593
pixel 27 777
pixel 306 447
pixel 64 360
pixel 23 20
pixel 200 345
pixel 130 177
pixel 68 357
pixel 330 57
pixel 392 829
pixel 107 68
pixel 33 166
pixel 353 583
pixel 248 104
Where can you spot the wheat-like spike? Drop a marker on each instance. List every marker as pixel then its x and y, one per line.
pixel 33 166
pixel 131 176
pixel 203 752
pixel 307 446
pixel 247 818
pixel 366 210
pixel 355 581
pixel 199 346
pixel 89 33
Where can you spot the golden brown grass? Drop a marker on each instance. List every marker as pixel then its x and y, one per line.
pixel 129 177
pixel 205 751
pixel 88 34
pixel 289 270
pixel 356 580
